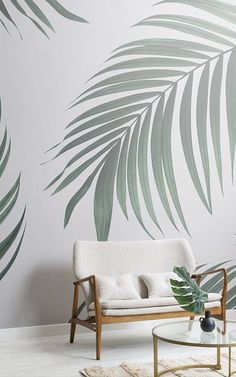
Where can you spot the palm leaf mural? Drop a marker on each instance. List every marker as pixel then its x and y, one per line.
pixel 32 11
pixel 124 138
pixel 215 283
pixel 14 239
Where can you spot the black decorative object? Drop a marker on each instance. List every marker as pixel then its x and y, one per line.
pixel 207 324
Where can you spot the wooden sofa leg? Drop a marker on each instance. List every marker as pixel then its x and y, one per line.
pixel 98 340
pixel 72 331
pixel 74 313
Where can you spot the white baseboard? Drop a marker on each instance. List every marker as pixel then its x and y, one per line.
pixel 12 334
pixel 17 333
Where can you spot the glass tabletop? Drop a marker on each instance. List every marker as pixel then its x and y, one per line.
pixel 188 332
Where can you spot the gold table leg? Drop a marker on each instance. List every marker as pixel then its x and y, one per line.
pixel 155 352
pixel 216 366
pixel 230 363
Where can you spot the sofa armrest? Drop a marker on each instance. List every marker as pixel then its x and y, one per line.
pixel 92 280
pixel 88 278
pixel 98 311
pixel 223 271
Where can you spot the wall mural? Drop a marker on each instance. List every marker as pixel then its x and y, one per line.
pixel 215 283
pixel 132 124
pixel 7 204
pixel 33 13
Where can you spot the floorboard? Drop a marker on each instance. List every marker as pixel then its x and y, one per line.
pixel 55 356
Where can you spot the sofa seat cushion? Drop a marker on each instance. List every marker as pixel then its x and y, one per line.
pixel 146 302
pixel 149 310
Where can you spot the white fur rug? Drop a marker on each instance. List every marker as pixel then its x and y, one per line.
pixel 128 369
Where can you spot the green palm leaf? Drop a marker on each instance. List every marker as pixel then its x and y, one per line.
pixel 80 193
pixel 186 137
pixel 218 8
pixel 202 101
pixel 215 92
pixel 131 101
pixel 192 25
pixel 103 198
pixel 121 186
pixel 165 42
pixel 156 156
pixel 7 204
pixel 132 175
pixel 38 18
pixel 147 63
pixel 230 103
pixel 143 166
pixel 167 154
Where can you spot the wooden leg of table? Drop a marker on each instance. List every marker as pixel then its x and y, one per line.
pixel 155 354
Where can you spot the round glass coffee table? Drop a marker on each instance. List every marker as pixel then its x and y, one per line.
pixel 189 333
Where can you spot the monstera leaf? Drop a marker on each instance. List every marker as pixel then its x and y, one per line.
pixel 187 293
pixel 123 141
pixel 32 11
pixel 7 203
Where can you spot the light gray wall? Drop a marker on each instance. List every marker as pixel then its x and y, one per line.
pixel 38 79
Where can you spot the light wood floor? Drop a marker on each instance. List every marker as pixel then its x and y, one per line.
pixel 55 357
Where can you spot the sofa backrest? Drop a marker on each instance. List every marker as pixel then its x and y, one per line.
pixel 135 257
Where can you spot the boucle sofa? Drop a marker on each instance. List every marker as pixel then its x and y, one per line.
pixel 93 259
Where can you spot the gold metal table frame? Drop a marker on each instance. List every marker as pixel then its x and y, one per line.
pixel 216 366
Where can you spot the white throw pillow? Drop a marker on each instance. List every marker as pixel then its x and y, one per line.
pixel 116 287
pixel 158 284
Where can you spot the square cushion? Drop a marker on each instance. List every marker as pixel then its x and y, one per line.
pixel 116 287
pixel 158 284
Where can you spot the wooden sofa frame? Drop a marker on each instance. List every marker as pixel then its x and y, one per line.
pixel 95 323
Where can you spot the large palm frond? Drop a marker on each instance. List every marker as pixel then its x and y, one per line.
pixel 7 203
pixel 33 12
pixel 125 141
pixel 215 282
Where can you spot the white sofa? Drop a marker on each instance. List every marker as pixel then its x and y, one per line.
pixel 93 259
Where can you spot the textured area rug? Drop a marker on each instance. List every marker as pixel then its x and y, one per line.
pixel 128 369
